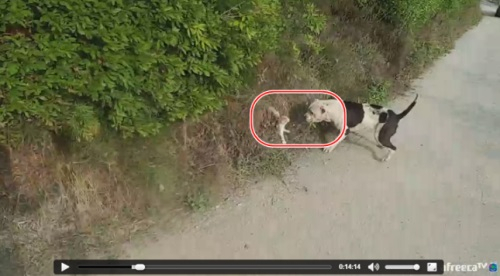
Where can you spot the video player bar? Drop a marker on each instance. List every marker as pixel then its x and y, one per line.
pixel 224 267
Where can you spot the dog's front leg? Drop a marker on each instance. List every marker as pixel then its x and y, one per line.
pixel 332 147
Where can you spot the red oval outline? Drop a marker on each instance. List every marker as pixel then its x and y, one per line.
pixel 296 146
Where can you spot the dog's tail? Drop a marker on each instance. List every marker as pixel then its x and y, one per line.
pixel 408 109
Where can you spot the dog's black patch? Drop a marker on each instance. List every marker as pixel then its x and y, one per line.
pixel 386 133
pixel 389 129
pixel 382 118
pixel 355 113
pixel 392 115
pixel 376 106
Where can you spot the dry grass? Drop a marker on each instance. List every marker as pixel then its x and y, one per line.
pixel 88 197
pixel 62 207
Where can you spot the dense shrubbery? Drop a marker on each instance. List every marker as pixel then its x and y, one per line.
pixel 135 65
pixel 132 65
pixel 412 14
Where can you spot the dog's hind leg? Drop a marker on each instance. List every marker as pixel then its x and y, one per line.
pixel 389 155
pixel 391 148
pixel 376 135
pixel 384 138
pixel 386 142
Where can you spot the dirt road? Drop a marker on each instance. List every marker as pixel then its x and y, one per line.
pixel 437 198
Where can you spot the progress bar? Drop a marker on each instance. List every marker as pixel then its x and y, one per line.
pixel 245 267
pixel 234 267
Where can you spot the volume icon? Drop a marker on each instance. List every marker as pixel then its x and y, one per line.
pixel 373 267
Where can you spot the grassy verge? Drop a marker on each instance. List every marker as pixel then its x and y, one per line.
pixel 73 199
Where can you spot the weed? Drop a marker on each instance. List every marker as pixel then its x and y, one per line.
pixel 197 200
pixel 379 93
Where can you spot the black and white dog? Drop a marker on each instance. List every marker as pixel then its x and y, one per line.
pixel 383 121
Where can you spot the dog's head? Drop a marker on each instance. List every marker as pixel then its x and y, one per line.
pixel 316 112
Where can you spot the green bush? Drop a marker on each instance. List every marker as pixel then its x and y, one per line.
pixel 413 14
pixel 409 13
pixel 136 65
pixel 132 65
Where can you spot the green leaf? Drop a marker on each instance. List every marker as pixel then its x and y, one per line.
pixel 12 69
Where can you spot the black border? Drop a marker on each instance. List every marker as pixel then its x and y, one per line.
pixel 224 267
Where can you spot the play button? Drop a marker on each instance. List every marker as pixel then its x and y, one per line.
pixel 64 267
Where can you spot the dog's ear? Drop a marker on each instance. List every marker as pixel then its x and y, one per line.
pixel 322 108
